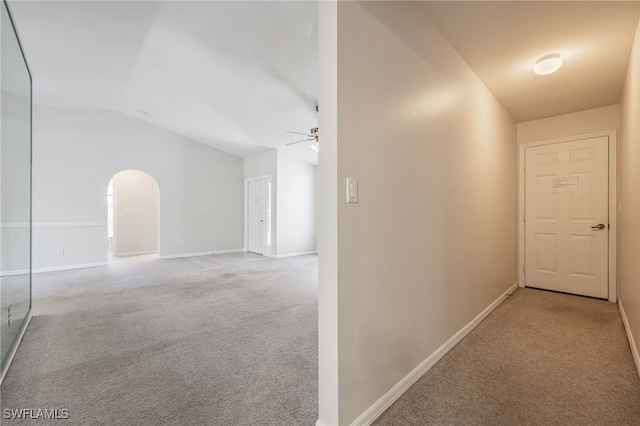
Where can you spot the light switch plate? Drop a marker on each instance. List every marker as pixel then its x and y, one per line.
pixel 352 190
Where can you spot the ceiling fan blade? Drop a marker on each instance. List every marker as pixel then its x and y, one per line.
pixel 303 134
pixel 303 140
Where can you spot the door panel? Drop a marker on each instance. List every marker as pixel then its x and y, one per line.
pixel 547 252
pixel 583 203
pixel 566 194
pixel 547 206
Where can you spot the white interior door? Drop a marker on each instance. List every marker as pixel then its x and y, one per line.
pixel 256 216
pixel 567 217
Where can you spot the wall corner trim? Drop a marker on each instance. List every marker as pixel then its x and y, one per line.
pixel 632 343
pixel 373 412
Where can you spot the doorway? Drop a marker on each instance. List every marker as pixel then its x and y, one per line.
pixel 133 214
pixel 568 211
pixel 258 215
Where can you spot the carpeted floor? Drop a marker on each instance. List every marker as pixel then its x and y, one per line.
pixel 541 358
pixel 232 340
pixel 215 340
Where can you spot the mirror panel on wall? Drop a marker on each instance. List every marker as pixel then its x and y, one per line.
pixel 15 190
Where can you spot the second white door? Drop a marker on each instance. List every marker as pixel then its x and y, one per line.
pixel 566 217
pixel 256 216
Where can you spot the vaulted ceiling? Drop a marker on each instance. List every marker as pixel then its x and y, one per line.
pixel 233 75
pixel 237 75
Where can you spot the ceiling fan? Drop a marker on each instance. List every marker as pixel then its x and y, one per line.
pixel 312 137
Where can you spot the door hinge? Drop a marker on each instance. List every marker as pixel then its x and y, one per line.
pixel 524 217
pixel 524 268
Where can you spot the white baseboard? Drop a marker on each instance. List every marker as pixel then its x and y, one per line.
pixel 68 267
pixel 10 356
pixel 53 268
pixel 53 225
pixel 202 253
pixel 134 253
pixel 14 272
pixel 320 423
pixel 379 407
pixel 228 251
pixel 300 253
pixel 68 224
pixel 632 343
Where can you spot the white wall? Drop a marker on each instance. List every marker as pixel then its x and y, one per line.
pixel 296 206
pixel 629 193
pixel 578 123
pixel 263 164
pixel 77 152
pixel 14 179
pixel 135 204
pixel 432 241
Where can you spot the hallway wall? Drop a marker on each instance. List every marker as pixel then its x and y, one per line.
pixel 629 193
pixel 431 242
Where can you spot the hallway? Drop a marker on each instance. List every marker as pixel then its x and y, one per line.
pixel 541 358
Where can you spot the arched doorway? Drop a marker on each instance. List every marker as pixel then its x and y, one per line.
pixel 133 200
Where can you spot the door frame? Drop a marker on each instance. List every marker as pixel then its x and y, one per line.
pixel 613 203
pixel 268 223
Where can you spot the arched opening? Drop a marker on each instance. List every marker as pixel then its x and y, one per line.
pixel 133 200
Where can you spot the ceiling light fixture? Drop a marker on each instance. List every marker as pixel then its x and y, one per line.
pixel 145 113
pixel 548 64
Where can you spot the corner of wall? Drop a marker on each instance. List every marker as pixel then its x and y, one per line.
pixel 629 210
pixel 328 380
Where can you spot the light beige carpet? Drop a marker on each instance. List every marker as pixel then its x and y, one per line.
pixel 214 340
pixel 541 358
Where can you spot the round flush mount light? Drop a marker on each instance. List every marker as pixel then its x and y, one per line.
pixel 548 64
